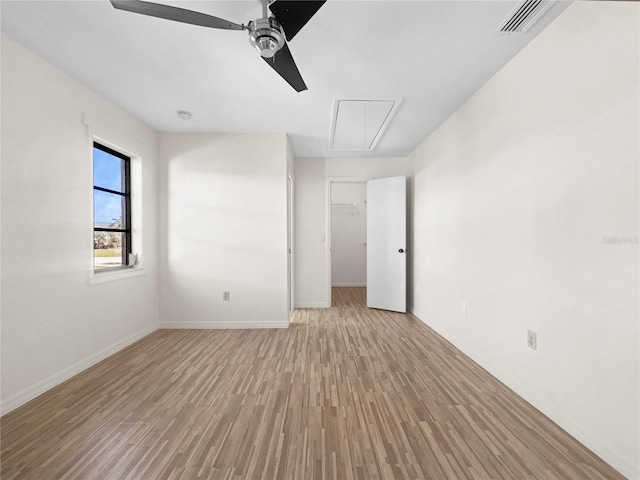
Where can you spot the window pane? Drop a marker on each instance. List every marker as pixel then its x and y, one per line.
pixel 107 171
pixel 109 210
pixel 107 249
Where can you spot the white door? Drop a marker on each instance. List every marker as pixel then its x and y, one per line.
pixel 386 244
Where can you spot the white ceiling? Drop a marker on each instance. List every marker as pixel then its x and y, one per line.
pixel 432 54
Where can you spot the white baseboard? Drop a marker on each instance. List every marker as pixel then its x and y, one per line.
pixel 48 383
pixel 348 284
pixel 221 325
pixel 312 305
pixel 563 419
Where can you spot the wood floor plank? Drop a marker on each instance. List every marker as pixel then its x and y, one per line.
pixel 346 393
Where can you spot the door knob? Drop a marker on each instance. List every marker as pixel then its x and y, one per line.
pixel 401 250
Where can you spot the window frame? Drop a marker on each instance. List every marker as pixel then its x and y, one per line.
pixel 127 249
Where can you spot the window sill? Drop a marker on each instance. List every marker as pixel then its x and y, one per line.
pixel 119 274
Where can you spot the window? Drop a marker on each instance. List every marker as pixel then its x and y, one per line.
pixel 111 208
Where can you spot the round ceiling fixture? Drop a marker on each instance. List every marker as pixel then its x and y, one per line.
pixel 184 115
pixel 266 35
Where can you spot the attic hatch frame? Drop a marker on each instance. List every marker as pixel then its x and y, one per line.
pixel 335 110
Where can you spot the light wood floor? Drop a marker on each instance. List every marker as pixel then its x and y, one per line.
pixel 344 393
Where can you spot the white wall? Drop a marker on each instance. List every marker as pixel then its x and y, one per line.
pixel 54 322
pixel 348 234
pixel 310 234
pixel 312 178
pixel 224 227
pixel 513 198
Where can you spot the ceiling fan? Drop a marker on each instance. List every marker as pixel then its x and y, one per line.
pixel 269 34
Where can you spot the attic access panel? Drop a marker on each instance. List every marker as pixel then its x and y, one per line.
pixel 358 124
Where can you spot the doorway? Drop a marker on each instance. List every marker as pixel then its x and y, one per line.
pixel 372 255
pixel 347 229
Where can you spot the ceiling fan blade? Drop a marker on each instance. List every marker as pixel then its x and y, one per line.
pixel 283 63
pixel 174 13
pixel 294 14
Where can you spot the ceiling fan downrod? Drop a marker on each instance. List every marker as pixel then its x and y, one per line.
pixel 266 34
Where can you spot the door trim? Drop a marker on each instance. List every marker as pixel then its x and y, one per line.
pixel 290 244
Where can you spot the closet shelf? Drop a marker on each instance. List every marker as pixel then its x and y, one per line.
pixel 344 208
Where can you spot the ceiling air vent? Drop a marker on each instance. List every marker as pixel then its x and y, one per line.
pixel 524 16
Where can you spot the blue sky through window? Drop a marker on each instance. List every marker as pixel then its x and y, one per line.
pixel 107 173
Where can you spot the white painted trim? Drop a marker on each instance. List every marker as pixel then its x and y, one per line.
pixel 222 325
pixel 120 141
pixel 356 284
pixel 112 136
pixel 291 243
pixel 562 418
pixel 348 179
pixel 383 127
pixel 119 274
pixel 48 383
pixel 313 305
pixel 327 240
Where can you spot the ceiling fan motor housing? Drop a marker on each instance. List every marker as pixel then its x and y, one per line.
pixel 266 35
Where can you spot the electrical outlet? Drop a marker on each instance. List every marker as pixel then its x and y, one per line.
pixel 225 295
pixel 532 339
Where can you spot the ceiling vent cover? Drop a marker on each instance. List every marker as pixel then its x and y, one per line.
pixel 524 16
